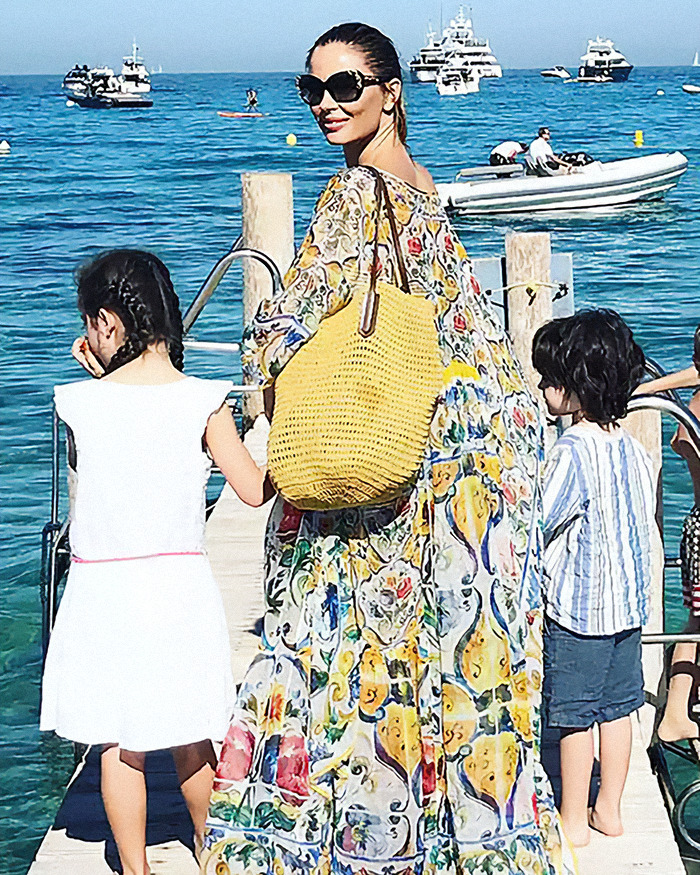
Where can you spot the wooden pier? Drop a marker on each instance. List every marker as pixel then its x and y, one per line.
pixel 235 543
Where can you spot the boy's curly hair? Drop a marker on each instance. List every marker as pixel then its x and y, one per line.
pixel 593 355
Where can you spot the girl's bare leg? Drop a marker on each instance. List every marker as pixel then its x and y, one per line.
pixel 576 752
pixel 195 765
pixel 123 786
pixel 676 724
pixel 615 750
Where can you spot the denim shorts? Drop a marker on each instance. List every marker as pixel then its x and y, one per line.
pixel 590 678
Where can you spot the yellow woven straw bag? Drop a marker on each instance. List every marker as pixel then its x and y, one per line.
pixel 353 406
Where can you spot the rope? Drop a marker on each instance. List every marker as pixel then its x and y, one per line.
pixel 532 289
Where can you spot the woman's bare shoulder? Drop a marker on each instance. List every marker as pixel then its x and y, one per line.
pixel 425 180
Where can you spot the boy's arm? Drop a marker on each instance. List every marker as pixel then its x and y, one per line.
pixel 681 442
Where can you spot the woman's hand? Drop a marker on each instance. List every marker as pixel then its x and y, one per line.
pixel 82 353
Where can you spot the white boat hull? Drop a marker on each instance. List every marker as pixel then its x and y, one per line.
pixel 424 75
pixel 134 87
pixel 457 90
pixel 598 185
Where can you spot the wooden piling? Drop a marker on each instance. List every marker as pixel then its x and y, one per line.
pixel 528 294
pixel 267 204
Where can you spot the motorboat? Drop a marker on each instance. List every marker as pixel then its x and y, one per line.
pixel 425 65
pixel 110 100
pixel 454 79
pixel 603 60
pixel 81 80
pixel 600 184
pixel 689 88
pixel 134 76
pixel 557 72
pixel 76 79
pixel 457 44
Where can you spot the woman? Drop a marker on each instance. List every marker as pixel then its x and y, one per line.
pixel 390 722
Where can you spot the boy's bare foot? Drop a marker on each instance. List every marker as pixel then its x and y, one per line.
pixel 579 835
pixel 676 729
pixel 609 823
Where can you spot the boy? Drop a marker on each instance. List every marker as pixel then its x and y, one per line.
pixel 599 504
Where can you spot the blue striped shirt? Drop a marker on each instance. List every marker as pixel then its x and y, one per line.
pixel 599 523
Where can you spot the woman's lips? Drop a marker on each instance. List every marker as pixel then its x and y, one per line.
pixel 332 125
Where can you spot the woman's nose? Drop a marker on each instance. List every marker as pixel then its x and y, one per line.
pixel 327 102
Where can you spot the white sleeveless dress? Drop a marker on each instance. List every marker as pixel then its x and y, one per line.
pixel 140 653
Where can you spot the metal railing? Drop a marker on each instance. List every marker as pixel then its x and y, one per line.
pixel 676 802
pixel 218 272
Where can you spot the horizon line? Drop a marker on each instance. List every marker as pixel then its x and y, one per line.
pixel 295 72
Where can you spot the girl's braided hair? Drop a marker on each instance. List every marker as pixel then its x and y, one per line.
pixel 136 286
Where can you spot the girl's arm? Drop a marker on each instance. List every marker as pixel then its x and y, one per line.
pixel 680 380
pixel 82 353
pixel 248 480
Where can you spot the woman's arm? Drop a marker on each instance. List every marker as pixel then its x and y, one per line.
pixel 680 380
pixel 248 480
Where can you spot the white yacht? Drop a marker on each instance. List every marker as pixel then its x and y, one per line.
pixel 134 76
pixel 430 58
pixel 603 63
pixel 557 72
pixel 454 78
pixel 458 44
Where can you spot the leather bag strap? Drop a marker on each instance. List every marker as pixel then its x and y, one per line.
pixel 370 305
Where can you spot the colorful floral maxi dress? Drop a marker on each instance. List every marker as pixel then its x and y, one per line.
pixel 390 722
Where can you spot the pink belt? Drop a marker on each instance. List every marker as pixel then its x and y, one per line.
pixel 80 561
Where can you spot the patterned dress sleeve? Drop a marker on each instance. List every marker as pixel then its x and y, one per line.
pixel 319 281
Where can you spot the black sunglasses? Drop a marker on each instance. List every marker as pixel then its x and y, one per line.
pixel 346 86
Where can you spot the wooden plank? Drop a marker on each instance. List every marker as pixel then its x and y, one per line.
pixel 648 845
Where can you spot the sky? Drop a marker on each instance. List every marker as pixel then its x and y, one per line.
pixel 49 36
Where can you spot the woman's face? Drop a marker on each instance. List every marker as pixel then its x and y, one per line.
pixel 344 123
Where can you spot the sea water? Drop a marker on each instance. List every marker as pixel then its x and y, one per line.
pixel 168 179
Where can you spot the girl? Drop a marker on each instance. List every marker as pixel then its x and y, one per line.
pixel 139 658
pixel 390 723
pixel 677 723
pixel 599 525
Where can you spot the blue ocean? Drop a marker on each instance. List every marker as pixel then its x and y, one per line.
pixel 168 179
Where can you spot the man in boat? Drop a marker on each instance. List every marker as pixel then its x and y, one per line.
pixel 252 99
pixel 506 153
pixel 541 160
